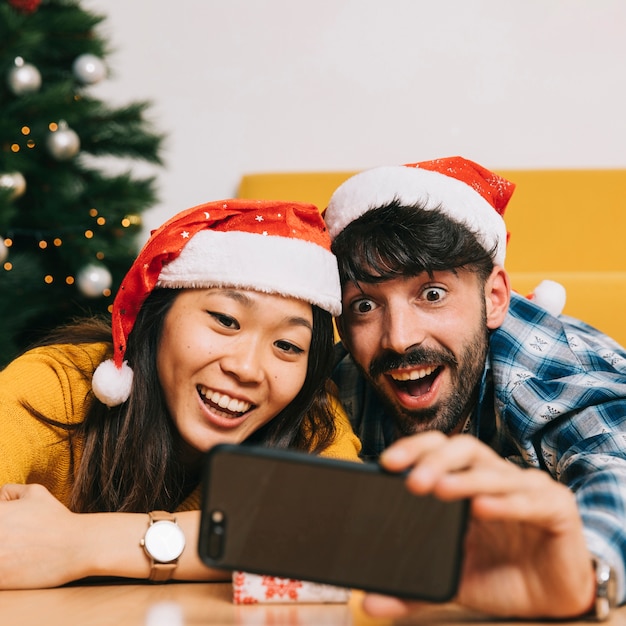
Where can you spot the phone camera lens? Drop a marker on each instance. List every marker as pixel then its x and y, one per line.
pixel 216 534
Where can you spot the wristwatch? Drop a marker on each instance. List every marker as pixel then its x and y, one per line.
pixel 606 589
pixel 163 542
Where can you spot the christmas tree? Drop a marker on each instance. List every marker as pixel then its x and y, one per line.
pixel 69 220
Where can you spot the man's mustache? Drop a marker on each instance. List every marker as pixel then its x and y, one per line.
pixel 390 360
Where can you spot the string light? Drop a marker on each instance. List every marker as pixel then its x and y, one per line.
pixel 131 220
pixel 44 240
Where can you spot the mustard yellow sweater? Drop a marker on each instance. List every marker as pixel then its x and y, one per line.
pixel 48 378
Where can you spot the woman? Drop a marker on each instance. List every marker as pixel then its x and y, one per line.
pixel 221 332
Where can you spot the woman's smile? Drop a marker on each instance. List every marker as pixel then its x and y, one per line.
pixel 223 402
pixel 222 417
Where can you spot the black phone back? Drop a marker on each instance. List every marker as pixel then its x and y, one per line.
pixel 354 525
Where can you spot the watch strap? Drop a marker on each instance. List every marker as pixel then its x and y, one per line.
pixel 161 516
pixel 161 572
pixel 605 589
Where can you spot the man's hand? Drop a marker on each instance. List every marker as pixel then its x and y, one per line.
pixel 525 553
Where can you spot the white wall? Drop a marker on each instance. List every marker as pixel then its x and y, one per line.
pixel 270 85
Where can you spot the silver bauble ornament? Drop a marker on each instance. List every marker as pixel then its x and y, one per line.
pixel 89 69
pixel 63 143
pixel 24 78
pixel 93 279
pixel 15 182
pixel 4 251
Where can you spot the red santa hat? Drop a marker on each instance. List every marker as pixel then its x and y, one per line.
pixel 465 191
pixel 273 247
pixel 462 189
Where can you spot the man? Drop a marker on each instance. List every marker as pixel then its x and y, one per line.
pixel 480 392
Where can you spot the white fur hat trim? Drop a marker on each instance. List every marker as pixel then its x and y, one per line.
pixel 269 264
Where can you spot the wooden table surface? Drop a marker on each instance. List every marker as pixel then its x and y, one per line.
pixel 194 604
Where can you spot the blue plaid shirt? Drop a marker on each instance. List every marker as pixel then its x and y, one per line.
pixel 552 396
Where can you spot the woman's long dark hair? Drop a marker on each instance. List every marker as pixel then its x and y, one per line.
pixel 132 453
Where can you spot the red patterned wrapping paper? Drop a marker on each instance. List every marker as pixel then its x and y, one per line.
pixel 255 589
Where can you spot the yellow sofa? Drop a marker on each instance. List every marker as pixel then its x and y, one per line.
pixel 565 225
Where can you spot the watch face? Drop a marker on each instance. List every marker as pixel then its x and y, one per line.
pixel 164 541
pixel 606 589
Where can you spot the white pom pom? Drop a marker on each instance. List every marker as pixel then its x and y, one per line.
pixel 110 384
pixel 550 296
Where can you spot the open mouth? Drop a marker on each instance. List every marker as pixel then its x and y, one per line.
pixel 415 382
pixel 223 404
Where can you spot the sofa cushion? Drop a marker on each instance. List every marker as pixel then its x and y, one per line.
pixel 565 225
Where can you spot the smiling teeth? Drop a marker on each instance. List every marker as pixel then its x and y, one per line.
pixel 224 401
pixel 413 374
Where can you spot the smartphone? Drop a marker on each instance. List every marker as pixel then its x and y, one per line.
pixel 296 515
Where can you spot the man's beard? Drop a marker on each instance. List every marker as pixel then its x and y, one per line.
pixel 465 375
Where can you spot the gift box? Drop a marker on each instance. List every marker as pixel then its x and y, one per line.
pixel 256 588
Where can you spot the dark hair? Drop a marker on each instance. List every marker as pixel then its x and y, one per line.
pixel 131 458
pixel 398 240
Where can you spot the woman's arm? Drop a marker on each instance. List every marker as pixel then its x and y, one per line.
pixel 44 544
